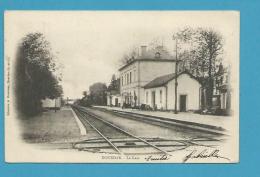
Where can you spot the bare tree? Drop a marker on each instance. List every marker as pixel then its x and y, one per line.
pixel 210 46
pixel 199 50
pixel 130 54
pixel 114 84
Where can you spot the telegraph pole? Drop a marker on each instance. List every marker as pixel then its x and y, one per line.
pixel 176 74
pixel 55 106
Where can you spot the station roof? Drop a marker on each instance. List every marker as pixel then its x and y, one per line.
pixel 145 60
pixel 162 80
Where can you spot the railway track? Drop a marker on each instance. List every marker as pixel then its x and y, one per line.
pixel 167 123
pixel 123 140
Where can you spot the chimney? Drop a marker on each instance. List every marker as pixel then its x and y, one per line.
pixel 143 50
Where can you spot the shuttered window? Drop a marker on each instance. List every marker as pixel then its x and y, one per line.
pixel 160 96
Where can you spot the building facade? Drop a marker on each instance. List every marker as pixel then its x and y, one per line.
pixel 137 72
pixel 113 98
pixel 160 92
pixel 222 89
pixel 51 103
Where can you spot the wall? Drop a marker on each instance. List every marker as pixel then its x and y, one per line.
pixel 186 86
pixel 108 100
pixel 142 73
pixel 113 100
pixel 150 70
pixel 51 103
pixel 132 85
pixel 160 103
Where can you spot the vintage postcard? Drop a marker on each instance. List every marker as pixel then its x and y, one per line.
pixel 121 86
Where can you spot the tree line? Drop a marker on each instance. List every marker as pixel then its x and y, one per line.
pixel 200 53
pixel 97 94
pixel 37 74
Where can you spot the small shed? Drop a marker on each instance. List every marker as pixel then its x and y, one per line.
pixel 113 98
pixel 160 92
pixel 48 103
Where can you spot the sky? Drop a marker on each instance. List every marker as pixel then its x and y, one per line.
pixel 90 44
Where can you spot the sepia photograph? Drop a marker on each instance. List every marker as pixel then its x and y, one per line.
pixel 121 86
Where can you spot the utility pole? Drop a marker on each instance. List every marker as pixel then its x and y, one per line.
pixel 55 106
pixel 176 75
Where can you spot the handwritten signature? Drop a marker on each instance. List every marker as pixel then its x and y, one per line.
pixel 204 154
pixel 157 158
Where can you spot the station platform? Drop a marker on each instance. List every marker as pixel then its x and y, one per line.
pixel 223 122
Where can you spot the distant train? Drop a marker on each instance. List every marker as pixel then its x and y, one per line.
pixel 52 104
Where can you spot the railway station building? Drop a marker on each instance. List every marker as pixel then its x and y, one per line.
pixel 149 79
pixel 160 92
pixel 139 71
pixel 113 98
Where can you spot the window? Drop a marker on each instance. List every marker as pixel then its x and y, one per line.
pixel 160 96
pixel 127 78
pixel 146 97
pixel 122 81
pixel 130 77
pixel 135 75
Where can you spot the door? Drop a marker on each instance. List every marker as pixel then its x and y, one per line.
pixel 116 102
pixel 153 99
pixel 183 102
